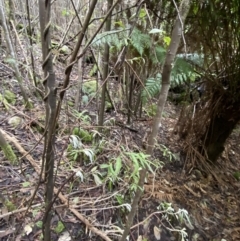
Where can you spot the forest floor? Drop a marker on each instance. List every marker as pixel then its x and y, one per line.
pixel 211 199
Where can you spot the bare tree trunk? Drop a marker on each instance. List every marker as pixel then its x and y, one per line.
pixel 11 10
pixel 220 126
pixel 167 68
pixel 79 85
pixel 105 69
pixel 50 103
pixel 130 97
pixel 12 54
pixel 30 34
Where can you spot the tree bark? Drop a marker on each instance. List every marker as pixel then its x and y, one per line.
pixel 105 69
pixel 220 127
pixel 50 104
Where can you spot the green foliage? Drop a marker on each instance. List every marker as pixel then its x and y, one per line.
pixel 70 103
pixel 85 99
pixel 10 97
pixel 35 212
pixel 182 216
pixel 124 168
pixel 59 228
pixel 183 70
pixel 15 121
pixel 65 49
pixel 167 152
pixel 39 224
pixel 67 13
pixel 140 46
pixel 4 102
pixel 237 175
pixel 193 58
pixel 10 205
pixel 160 53
pixel 7 98
pixel 9 154
pixel 26 184
pixel 113 171
pixel 116 38
pixel 182 73
pixel 167 40
pixel 54 44
pixel 84 135
pixel 93 70
pixel 155 30
pixel 119 198
pixel 82 116
pixel 10 61
pixel 140 41
pixel 151 110
pixel 90 87
pixel 152 88
pixel 137 162
pixel 76 150
pixel 97 175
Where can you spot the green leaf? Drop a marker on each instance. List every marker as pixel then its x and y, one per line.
pixel 167 40
pixel 11 61
pixel 39 224
pixel 75 140
pixel 155 30
pixel 97 179
pixel 104 165
pixel 237 175
pixel 26 184
pixel 118 165
pixel 119 198
pixel 89 153
pixel 75 156
pixel 110 169
pixel 80 175
pixel 152 88
pixel 142 13
pixel 65 12
pixel 119 24
pixel 94 169
pixel 85 99
pixel 60 227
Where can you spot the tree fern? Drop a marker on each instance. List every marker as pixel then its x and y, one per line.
pixel 140 41
pixel 182 72
pixel 140 45
pixel 152 87
pixel 116 38
pixel 160 53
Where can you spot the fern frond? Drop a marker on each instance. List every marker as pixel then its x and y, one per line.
pixel 161 54
pixel 140 41
pixel 182 72
pixel 116 38
pixel 152 88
